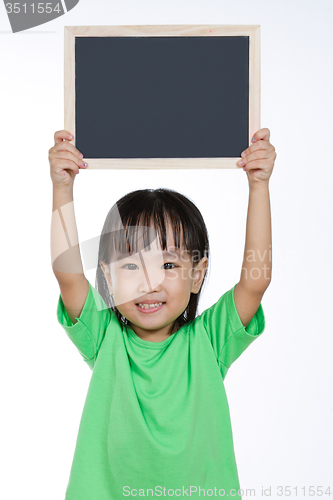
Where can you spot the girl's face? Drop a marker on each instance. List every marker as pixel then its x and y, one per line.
pixel 152 287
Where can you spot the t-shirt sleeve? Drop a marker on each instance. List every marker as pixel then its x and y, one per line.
pixel 89 331
pixel 228 336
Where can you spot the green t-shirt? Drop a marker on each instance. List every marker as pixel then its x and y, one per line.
pixel 156 414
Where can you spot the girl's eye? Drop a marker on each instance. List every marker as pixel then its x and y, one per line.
pixel 134 266
pixel 169 264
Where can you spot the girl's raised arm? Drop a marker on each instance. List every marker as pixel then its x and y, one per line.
pixel 65 161
pixel 258 162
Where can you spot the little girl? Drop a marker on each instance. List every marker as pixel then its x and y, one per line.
pixel 156 418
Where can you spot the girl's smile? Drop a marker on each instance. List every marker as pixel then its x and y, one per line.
pixel 150 308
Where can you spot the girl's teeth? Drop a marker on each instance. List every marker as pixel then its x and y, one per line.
pixel 148 306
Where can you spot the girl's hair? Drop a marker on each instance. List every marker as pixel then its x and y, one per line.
pixel 135 220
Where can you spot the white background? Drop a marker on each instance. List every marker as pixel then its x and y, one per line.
pixel 280 389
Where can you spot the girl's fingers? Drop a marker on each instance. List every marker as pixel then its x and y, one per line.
pixel 257 146
pixel 262 134
pixel 61 138
pixel 67 155
pixel 62 134
pixel 66 146
pixel 66 165
pixel 256 155
pixel 255 164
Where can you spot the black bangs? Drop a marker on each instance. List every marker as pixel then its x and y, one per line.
pixel 136 221
pixel 136 226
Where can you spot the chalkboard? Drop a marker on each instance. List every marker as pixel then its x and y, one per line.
pixel 162 96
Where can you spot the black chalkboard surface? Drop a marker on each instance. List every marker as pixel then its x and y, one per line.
pixel 162 97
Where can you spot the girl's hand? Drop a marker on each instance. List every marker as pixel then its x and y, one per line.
pixel 65 160
pixel 258 159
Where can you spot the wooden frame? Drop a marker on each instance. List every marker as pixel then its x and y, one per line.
pixel 253 32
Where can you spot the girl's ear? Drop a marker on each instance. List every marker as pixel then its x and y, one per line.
pixel 199 272
pixel 106 272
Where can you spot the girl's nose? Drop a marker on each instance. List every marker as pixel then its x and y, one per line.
pixel 151 280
